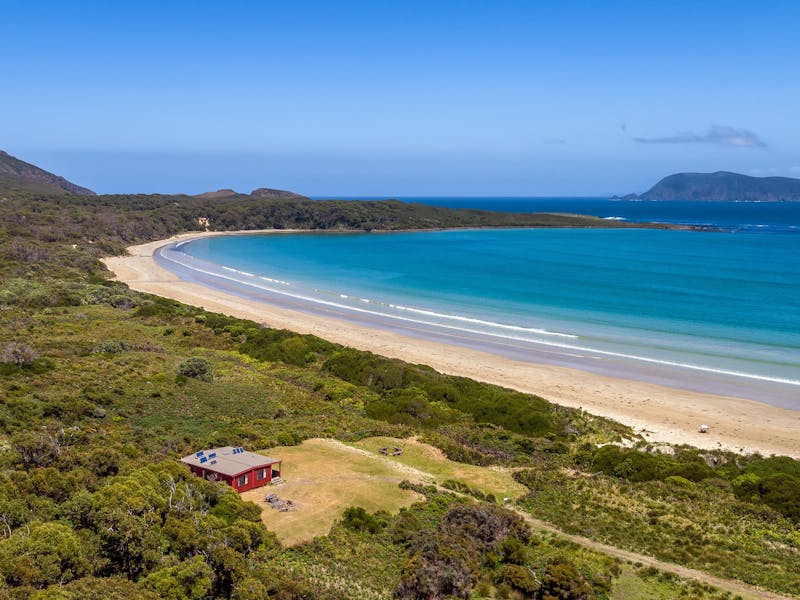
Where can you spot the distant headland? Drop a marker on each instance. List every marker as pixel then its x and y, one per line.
pixel 721 186
pixel 18 176
pixel 269 193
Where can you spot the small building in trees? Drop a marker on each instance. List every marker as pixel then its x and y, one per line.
pixel 240 469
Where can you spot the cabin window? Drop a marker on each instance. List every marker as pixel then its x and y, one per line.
pixel 261 474
pixel 241 480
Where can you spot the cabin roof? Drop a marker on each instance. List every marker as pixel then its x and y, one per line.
pixel 228 460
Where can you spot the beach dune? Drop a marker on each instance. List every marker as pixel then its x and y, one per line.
pixel 659 413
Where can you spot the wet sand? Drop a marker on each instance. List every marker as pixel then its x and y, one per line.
pixel 661 413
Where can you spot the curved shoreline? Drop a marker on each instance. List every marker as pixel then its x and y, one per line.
pixel 528 344
pixel 664 414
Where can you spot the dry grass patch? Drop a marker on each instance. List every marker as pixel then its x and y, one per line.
pixel 323 477
pixel 432 461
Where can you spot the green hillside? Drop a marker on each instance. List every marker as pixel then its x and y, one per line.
pixel 95 411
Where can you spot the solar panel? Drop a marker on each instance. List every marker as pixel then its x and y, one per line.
pixel 203 459
pixel 199 454
pixel 212 455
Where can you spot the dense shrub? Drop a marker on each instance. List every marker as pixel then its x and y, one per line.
pixel 156 306
pixel 278 345
pixel 289 438
pixel 449 561
pixel 43 554
pixel 778 490
pixel 432 392
pixel 562 580
pixel 190 580
pixel 634 465
pixel 409 407
pixel 196 367
pixel 25 293
pixel 678 481
pixel 486 523
pixel 781 492
pixel 111 348
pixel 29 293
pixel 521 579
pixel 358 519
pixel 745 486
pixel 764 467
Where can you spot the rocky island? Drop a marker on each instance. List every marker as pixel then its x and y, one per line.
pixel 721 186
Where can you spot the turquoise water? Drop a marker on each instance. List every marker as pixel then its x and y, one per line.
pixel 709 302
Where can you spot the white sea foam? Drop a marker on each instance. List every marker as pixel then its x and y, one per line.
pixel 505 337
pixel 431 313
pixel 279 281
pixel 237 271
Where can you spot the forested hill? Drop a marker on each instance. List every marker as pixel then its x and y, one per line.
pixel 722 186
pixel 110 223
pixel 18 177
pixel 258 193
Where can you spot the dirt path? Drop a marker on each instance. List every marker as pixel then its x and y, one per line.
pixel 735 587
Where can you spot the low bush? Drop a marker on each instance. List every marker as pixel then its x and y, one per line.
pixel 111 348
pixel 196 367
pixel 15 353
pixel 358 519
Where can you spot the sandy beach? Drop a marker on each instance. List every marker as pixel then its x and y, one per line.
pixel 661 414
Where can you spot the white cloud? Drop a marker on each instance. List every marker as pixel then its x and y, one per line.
pixel 719 134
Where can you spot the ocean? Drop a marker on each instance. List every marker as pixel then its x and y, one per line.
pixel 709 310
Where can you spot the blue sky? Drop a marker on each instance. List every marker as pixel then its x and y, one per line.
pixel 399 98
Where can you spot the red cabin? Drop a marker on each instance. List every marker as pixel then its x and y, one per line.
pixel 240 469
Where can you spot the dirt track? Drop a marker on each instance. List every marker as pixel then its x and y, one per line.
pixel 735 587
